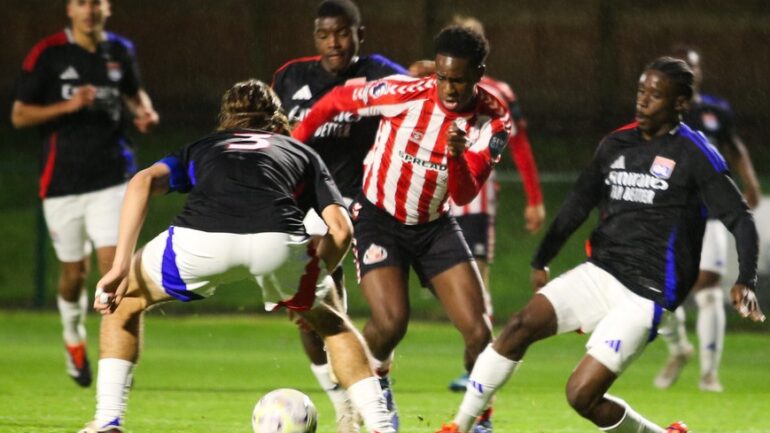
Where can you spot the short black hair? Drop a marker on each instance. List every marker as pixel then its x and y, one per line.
pixel 678 71
pixel 340 8
pixel 457 41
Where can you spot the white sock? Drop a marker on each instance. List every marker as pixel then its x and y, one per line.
pixel 72 317
pixel 382 368
pixel 112 385
pixel 673 332
pixel 711 328
pixel 84 305
pixel 490 372
pixel 631 422
pixel 366 396
pixel 336 393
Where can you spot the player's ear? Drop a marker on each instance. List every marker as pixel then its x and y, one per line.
pixel 480 70
pixel 361 32
pixel 681 104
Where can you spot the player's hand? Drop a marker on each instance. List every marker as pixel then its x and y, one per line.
pixel 145 119
pixel 534 217
pixel 83 96
pixel 745 301
pixel 539 278
pixel 457 141
pixel 422 68
pixel 110 291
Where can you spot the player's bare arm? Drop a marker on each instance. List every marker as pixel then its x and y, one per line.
pixel 145 116
pixel 336 243
pixel 148 182
pixel 24 115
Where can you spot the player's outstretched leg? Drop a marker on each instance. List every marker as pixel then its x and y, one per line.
pixel 349 359
pixel 673 332
pixel 347 419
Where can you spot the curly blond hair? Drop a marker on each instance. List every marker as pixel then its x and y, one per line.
pixel 252 104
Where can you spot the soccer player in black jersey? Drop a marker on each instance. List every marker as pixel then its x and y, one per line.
pixel 653 182
pixel 74 86
pixel 245 224
pixel 715 119
pixel 343 143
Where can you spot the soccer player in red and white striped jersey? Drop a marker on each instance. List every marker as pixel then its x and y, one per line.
pixel 438 138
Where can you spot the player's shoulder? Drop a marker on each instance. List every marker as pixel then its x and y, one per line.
pixel 121 42
pixel 499 88
pixel 492 102
pixel 697 145
pixel 300 64
pixel 716 101
pixel 378 66
pixel 49 42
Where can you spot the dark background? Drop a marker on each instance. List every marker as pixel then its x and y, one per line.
pixel 574 63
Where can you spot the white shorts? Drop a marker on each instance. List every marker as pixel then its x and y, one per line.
pixel 589 299
pixel 189 265
pixel 73 220
pixel 713 256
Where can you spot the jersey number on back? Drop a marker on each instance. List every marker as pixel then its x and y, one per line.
pixel 248 142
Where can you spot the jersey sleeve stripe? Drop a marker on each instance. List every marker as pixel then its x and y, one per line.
pixel 291 62
pixel 114 37
pixel 713 155
pixel 178 180
pixel 51 41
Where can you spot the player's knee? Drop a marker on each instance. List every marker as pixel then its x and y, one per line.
pixel 391 324
pixel 709 297
pixel 516 336
pixel 477 337
pixel 71 279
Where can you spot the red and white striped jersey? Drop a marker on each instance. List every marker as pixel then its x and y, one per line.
pixel 409 173
pixel 521 154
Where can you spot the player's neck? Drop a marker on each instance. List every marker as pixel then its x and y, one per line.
pixel 88 41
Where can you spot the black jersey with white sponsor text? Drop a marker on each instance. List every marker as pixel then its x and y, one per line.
pixel 247 181
pixel 653 197
pixel 86 150
pixel 344 142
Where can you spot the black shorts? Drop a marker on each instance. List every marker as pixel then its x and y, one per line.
pixel 479 232
pixel 380 240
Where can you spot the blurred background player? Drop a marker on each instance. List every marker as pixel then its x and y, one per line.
pixel 715 119
pixel 477 218
pixel 245 224
pixel 650 180
pixel 342 142
pixel 75 86
pixel 438 138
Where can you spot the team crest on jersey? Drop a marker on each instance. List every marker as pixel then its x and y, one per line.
pixel 114 71
pixel 416 136
pixel 374 254
pixel 710 121
pixel 662 167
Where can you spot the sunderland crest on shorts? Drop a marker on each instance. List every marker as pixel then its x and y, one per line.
pixel 374 254
pixel 662 167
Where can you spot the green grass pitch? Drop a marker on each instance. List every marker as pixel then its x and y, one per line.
pixel 204 374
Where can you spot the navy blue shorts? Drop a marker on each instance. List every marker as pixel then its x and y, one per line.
pixel 431 248
pixel 478 231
